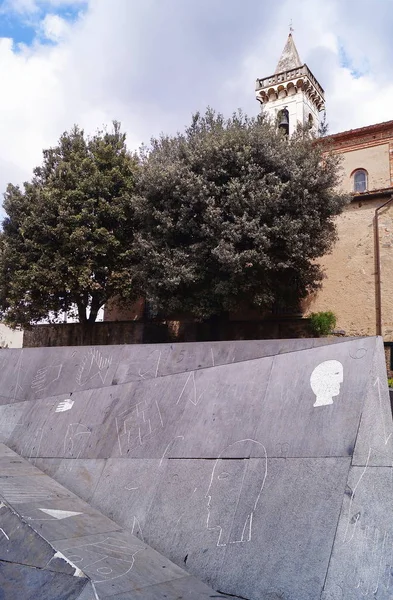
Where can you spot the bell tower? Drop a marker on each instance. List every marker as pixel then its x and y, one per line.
pixel 292 94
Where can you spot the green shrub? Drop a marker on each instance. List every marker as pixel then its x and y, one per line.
pixel 322 323
pixel 390 382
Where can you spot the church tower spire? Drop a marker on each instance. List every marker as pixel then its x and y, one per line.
pixel 290 58
pixel 292 94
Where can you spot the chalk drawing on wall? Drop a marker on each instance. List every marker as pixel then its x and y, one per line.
pixel 104 560
pixel 385 416
pixel 75 439
pixel 189 391
pixel 31 449
pixel 44 377
pixel 93 364
pixel 138 424
pixel 145 368
pixel 17 388
pixel 137 529
pixel 368 539
pixel 234 479
pixel 358 354
pixel 326 380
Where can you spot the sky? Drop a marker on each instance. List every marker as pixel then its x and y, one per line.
pixel 152 63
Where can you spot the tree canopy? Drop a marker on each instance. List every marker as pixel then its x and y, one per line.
pixel 232 213
pixel 66 239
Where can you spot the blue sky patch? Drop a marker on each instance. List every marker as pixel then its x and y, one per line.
pixel 347 62
pixel 24 27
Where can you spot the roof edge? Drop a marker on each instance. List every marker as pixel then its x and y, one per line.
pixel 360 130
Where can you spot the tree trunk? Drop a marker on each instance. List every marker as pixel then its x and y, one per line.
pixel 82 312
pixel 94 308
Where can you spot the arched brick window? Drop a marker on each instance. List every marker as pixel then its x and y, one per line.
pixel 360 180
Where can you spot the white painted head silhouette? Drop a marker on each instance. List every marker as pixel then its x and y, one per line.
pixel 325 381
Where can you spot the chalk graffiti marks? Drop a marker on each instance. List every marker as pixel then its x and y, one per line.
pixel 372 544
pixel 189 391
pixel 93 364
pixel 31 449
pixel 358 354
pixel 146 368
pixel 17 389
pixel 76 439
pixel 352 500
pixel 224 478
pixel 44 377
pixel 385 416
pixel 136 425
pixel 137 529
pixel 105 560
pixel 374 561
pixel 171 443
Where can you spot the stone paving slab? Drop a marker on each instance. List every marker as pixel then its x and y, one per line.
pixel 185 588
pixel 118 562
pixel 19 543
pixel 20 581
pixel 69 518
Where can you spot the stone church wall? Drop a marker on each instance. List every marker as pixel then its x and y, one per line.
pixel 349 289
pixel 374 159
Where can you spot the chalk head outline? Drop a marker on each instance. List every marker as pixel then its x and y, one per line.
pixel 234 492
pixel 326 380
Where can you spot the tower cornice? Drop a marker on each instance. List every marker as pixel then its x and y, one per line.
pixel 289 82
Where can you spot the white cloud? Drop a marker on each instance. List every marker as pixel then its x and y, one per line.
pixel 151 63
pixel 19 6
pixel 54 28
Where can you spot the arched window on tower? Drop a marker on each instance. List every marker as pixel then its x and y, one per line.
pixel 360 180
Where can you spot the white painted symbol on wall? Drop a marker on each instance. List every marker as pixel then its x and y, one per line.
pixel 326 380
pixel 59 514
pixel 65 405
